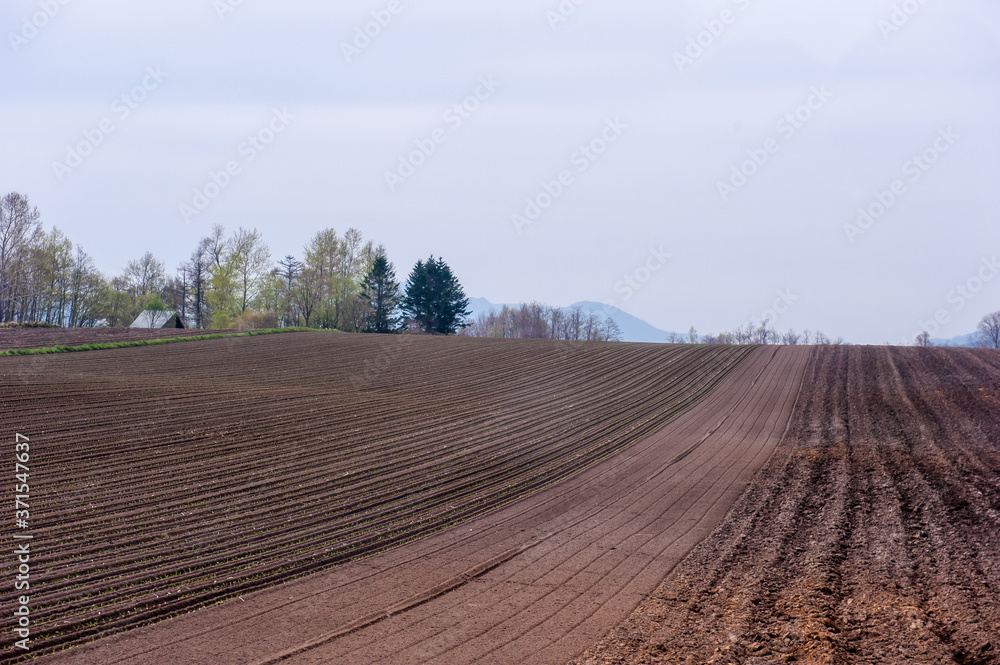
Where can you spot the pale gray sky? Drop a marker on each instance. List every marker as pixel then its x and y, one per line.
pixel 873 82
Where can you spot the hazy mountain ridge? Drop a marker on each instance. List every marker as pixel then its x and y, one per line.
pixel 961 340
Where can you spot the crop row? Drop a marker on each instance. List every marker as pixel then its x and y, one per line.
pixel 168 478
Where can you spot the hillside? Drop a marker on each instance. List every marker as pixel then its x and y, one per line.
pixel 198 472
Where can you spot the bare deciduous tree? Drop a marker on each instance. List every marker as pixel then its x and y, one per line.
pixel 144 276
pixel 763 333
pixel 289 269
pixel 144 280
pixel 613 332
pixel 790 338
pixel 198 276
pixel 989 331
pixel 216 246
pixel 537 321
pixel 20 225
pixel 251 260
pixel 308 293
pixel 85 289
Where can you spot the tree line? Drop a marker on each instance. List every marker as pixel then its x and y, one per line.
pixel 537 321
pixel 987 335
pixel 43 277
pixel 341 281
pixel 763 333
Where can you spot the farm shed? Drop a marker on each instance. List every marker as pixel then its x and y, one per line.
pixel 157 319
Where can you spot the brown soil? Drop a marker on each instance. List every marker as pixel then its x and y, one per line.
pixel 38 338
pixel 535 582
pixel 168 478
pixel 871 536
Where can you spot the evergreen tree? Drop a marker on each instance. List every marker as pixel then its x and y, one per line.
pixel 415 301
pixel 434 299
pixel 380 291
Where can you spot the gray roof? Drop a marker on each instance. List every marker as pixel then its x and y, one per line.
pixel 152 319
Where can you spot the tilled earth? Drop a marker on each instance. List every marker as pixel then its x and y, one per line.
pixel 535 581
pixel 871 536
pixel 173 477
pixel 35 338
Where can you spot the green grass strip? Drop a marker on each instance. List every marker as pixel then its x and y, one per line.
pixel 150 342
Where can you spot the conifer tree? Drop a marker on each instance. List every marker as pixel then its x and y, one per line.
pixel 435 300
pixel 381 291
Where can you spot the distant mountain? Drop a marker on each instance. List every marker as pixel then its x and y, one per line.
pixel 633 328
pixel 961 340
pixel 481 306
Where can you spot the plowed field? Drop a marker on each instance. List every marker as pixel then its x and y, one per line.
pixel 37 338
pixel 537 581
pixel 169 478
pixel 872 535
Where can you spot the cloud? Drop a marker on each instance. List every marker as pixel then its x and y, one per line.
pixel 784 229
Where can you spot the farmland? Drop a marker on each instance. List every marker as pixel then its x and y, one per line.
pixel 173 477
pixel 35 338
pixel 326 498
pixel 872 535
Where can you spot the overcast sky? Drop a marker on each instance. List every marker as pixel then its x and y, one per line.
pixel 739 137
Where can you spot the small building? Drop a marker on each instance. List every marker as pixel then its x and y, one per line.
pixel 158 319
